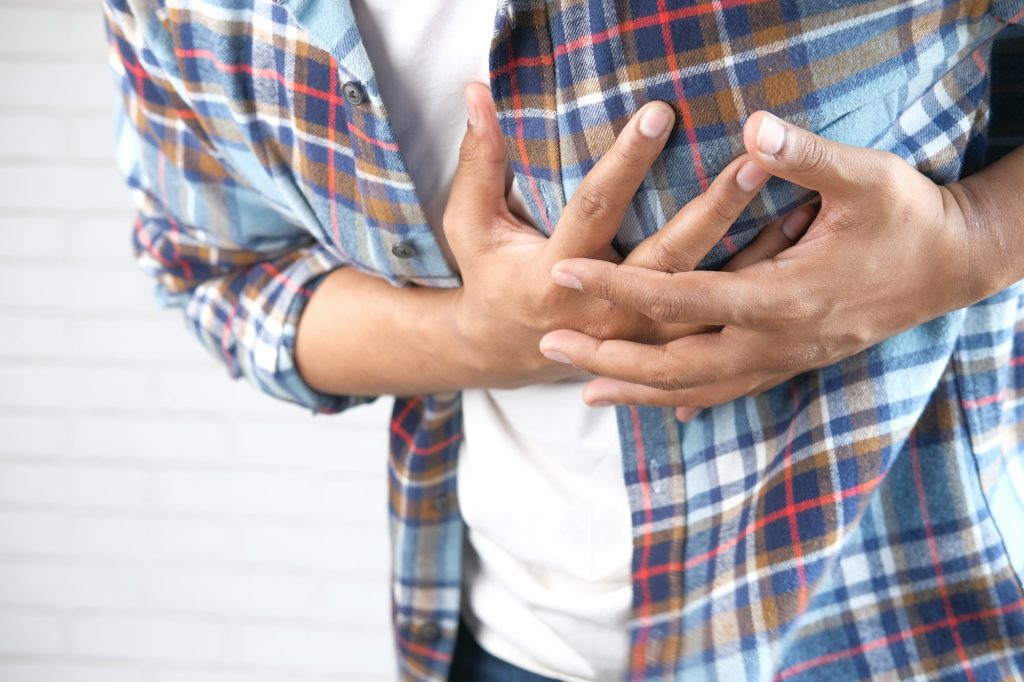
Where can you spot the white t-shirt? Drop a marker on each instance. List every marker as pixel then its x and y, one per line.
pixel 547 561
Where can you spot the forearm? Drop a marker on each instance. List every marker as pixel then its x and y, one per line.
pixel 359 335
pixel 993 203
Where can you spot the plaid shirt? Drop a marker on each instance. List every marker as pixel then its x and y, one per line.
pixel 854 523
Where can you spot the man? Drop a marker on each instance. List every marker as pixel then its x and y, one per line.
pixel 857 521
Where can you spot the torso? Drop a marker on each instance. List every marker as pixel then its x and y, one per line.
pixel 547 560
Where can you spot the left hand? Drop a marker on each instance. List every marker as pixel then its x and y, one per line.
pixel 889 250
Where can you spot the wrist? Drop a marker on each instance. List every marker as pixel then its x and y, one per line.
pixel 463 338
pixel 989 265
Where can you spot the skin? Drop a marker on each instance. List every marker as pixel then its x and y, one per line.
pixel 360 336
pixel 864 271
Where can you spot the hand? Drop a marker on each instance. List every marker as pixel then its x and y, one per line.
pixel 508 301
pixel 888 250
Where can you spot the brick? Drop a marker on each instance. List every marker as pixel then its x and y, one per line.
pixel 151 639
pixel 355 602
pixel 33 434
pixel 34 336
pixel 55 187
pixel 28 30
pixel 301 546
pixel 62 584
pixel 29 633
pixel 86 35
pixel 78 671
pixel 316 648
pixel 212 392
pixel 33 237
pixel 31 136
pixel 92 138
pixel 83 85
pixel 33 385
pixel 159 540
pixel 226 676
pixel 104 239
pixel 230 592
pixel 34 533
pixel 159 338
pixel 174 440
pixel 346 552
pixel 76 289
pixel 234 493
pixel 34 30
pixel 64 485
pixel 331 444
pixel 354 503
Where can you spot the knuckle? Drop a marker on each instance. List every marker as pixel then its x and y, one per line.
pixel 591 202
pixel 469 152
pixel 794 308
pixel 609 287
pixel 663 379
pixel 662 306
pixel 629 155
pixel 813 155
pixel 670 254
pixel 796 357
pixel 882 177
pixel 718 209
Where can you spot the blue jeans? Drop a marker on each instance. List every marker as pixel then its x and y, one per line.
pixel 472 664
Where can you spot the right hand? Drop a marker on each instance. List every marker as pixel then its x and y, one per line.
pixel 508 300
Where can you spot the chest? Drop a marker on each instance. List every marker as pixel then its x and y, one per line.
pixel 312 129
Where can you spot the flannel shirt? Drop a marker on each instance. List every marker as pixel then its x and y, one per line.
pixel 857 522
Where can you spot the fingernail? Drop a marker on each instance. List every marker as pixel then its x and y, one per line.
pixel 472 114
pixel 655 120
pixel 795 224
pixel 771 135
pixel 750 176
pixel 557 357
pixel 566 279
pixel 601 403
pixel 685 414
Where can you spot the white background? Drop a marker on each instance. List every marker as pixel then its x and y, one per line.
pixel 158 522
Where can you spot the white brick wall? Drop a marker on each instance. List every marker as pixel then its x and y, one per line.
pixel 158 523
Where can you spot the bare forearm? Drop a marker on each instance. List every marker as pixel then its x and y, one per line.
pixel 994 198
pixel 359 335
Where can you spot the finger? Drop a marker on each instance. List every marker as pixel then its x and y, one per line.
pixel 593 215
pixel 807 159
pixel 478 188
pixel 604 391
pixel 776 237
pixel 684 241
pixel 684 363
pixel 685 414
pixel 699 297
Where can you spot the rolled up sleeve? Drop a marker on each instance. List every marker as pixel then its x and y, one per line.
pixel 238 265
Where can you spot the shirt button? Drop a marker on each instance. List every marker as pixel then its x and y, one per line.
pixel 429 632
pixel 403 250
pixel 354 93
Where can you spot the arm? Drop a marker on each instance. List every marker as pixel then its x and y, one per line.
pixel 360 335
pixel 992 201
pixel 241 290
pixel 889 250
pixel 249 276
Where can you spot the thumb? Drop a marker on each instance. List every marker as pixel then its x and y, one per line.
pixel 806 159
pixel 478 187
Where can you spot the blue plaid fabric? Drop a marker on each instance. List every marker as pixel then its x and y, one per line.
pixel 859 522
